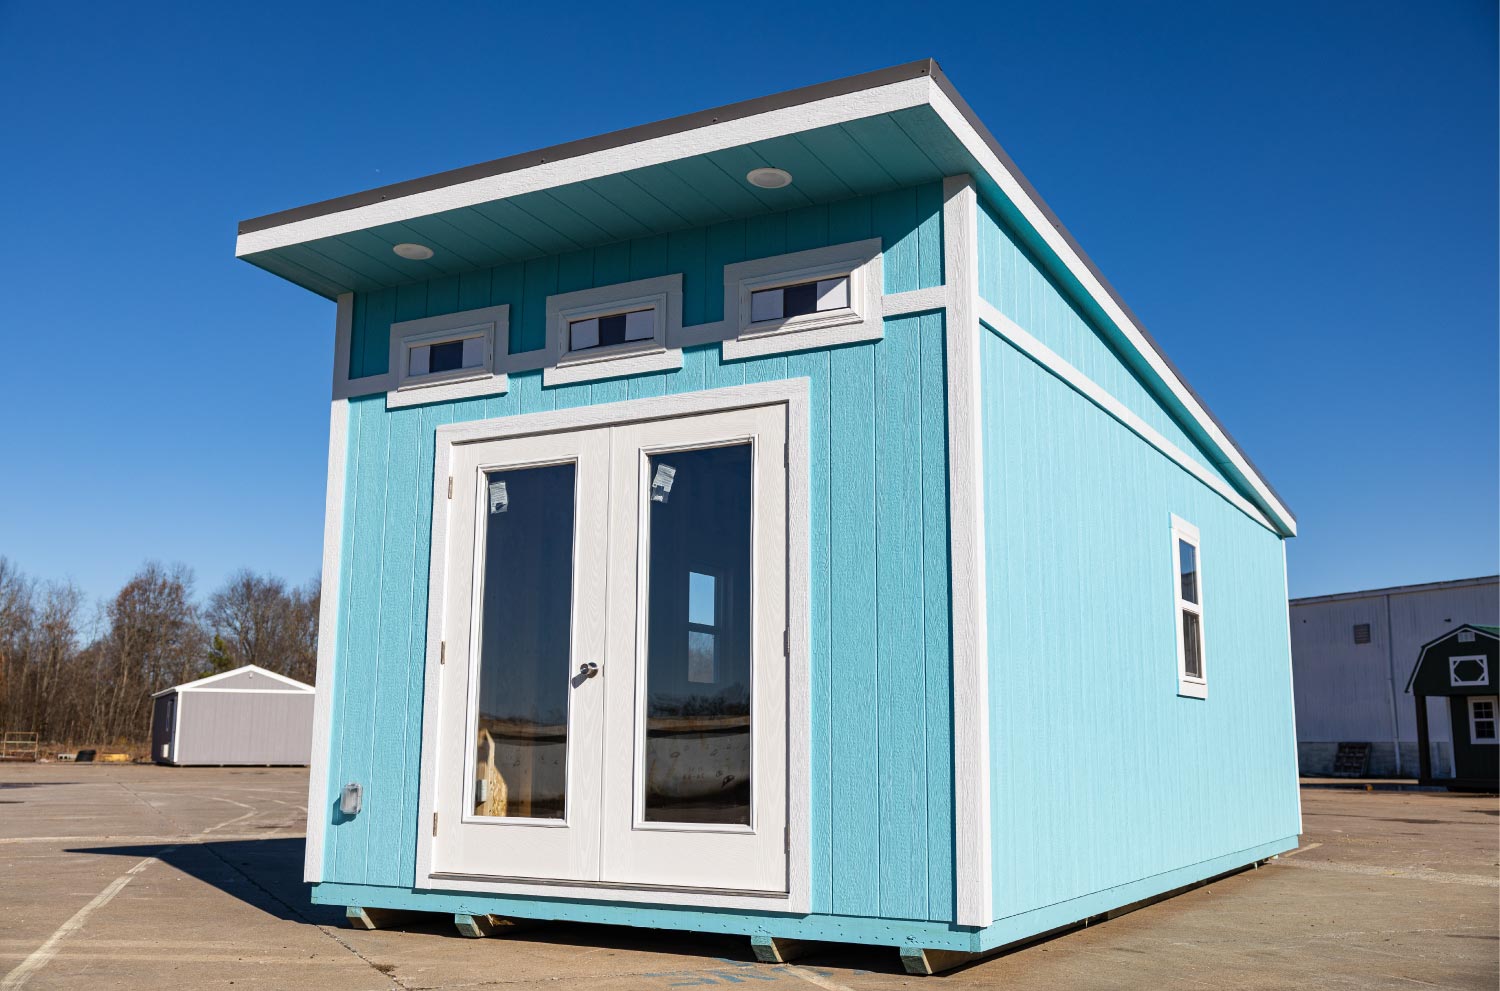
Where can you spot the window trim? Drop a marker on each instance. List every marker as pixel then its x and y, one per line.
pixel 492 323
pixel 862 320
pixel 1494 718
pixel 1484 668
pixel 1188 686
pixel 662 295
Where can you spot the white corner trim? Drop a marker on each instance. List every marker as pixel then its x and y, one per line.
pixel 343 339
pixel 1189 686
pixel 971 695
pixel 861 261
pixel 1100 397
pixel 488 324
pixel 1015 191
pixel 670 147
pixel 662 295
pixel 793 393
pixel 318 798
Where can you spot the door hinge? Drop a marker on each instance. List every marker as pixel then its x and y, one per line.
pixel 434 824
pixel 786 643
pixel 450 486
pixel 786 839
pixel 786 456
pixel 442 652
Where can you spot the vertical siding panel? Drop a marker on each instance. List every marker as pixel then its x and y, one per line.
pixel 379 315
pixel 393 660
pixel 856 807
pixel 648 257
pixel 937 641
pixel 815 365
pixel 687 252
pixel 612 263
pixel 507 285
pixel 901 674
pixel 358 685
pixel 765 235
pixel 358 333
pixel 807 228
pixel 726 245
pixel 539 280
pixel 346 668
pixel 895 218
pixel 849 220
pixel 929 235
pixel 442 297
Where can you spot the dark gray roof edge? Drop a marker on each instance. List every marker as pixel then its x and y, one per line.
pixel 1397 590
pixel 749 108
pixel 1480 628
pixel 597 143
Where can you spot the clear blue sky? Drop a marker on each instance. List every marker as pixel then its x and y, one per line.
pixel 1299 199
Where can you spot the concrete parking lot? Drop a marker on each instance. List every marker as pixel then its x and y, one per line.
pixel 136 877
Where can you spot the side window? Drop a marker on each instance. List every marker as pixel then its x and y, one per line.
pixel 1187 584
pixel 1482 719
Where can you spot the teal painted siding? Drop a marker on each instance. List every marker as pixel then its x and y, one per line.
pixel 882 816
pixel 908 221
pixel 1012 280
pixel 1102 775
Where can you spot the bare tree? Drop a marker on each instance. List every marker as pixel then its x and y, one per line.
pixel 256 619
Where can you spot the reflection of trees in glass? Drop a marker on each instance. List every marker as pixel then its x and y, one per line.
pixel 733 700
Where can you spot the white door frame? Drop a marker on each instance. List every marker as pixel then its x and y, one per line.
pixel 793 393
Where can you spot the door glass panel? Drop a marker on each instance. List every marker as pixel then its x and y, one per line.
pixel 697 761
pixel 520 760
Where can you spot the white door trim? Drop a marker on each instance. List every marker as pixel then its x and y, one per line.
pixel 793 393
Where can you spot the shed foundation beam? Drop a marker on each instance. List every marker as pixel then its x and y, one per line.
pixel 774 949
pixel 925 963
pixel 479 926
pixel 373 918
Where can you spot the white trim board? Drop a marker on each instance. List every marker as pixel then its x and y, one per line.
pixel 1028 345
pixel 318 797
pixel 881 99
pixel 202 683
pixel 1015 190
pixel 793 393
pixel 974 882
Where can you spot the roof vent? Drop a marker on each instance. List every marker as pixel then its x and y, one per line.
pixel 1465 636
pixel 1361 632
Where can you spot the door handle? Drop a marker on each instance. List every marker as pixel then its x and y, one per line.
pixel 587 670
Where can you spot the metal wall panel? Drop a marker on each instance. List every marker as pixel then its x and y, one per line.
pixel 244 728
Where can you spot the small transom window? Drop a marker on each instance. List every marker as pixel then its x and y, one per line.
pixel 612 329
pixel 446 356
pixel 820 296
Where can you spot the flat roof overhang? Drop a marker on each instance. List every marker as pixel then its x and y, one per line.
pixel 863 134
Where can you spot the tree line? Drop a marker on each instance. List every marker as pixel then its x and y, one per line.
pixel 76 675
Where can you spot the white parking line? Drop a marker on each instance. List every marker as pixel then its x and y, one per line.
pixel 17 978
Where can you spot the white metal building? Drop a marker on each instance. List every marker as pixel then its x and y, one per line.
pixel 245 716
pixel 1352 654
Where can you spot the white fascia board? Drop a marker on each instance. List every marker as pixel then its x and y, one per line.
pixel 612 161
pixel 1036 217
pixel 202 683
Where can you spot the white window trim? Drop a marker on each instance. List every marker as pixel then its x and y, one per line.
pixel 492 323
pixel 1484 671
pixel 1189 686
pixel 1494 710
pixel 662 294
pixel 862 320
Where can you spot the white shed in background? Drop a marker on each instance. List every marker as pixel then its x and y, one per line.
pixel 1351 656
pixel 245 716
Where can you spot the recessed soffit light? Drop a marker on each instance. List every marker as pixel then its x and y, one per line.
pixel 769 178
pixel 413 252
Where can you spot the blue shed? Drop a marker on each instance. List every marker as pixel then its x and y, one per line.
pixel 768 521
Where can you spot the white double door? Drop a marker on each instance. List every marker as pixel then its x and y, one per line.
pixel 613 683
